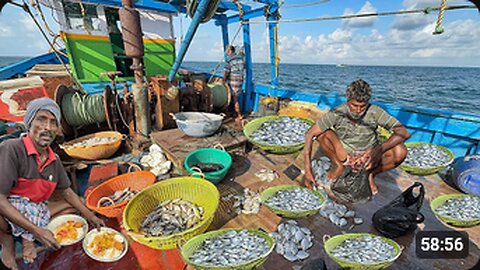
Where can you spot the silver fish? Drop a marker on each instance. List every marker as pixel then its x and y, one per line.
pixel 464 208
pixel 365 249
pixel 282 131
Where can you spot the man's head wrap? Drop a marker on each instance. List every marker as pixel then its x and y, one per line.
pixel 39 104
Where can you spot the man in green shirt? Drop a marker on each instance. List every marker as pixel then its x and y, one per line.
pixel 347 134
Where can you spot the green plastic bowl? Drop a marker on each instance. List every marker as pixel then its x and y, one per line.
pixel 196 242
pixel 437 202
pixel 209 155
pixel 427 171
pixel 270 192
pixel 336 240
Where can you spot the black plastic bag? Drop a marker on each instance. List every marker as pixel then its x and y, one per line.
pixel 352 186
pixel 401 215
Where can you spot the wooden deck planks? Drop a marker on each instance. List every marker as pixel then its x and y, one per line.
pixel 390 185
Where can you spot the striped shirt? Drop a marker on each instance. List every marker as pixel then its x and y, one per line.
pixel 234 65
pixel 361 134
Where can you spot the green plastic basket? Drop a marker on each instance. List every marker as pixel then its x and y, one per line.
pixel 437 202
pixel 268 193
pixel 193 244
pixel 336 240
pixel 209 155
pixel 255 124
pixel 431 170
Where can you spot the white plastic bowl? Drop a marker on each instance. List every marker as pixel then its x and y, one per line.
pixel 57 221
pixel 91 234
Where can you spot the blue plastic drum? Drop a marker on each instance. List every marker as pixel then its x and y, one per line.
pixel 466 173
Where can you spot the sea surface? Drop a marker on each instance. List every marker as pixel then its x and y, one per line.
pixel 448 88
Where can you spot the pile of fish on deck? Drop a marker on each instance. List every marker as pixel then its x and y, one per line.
pixel 170 217
pixel 246 203
pixel 295 200
pixel 320 167
pixel 292 241
pixel 231 248
pixel 366 249
pixel 426 156
pixel 464 208
pixel 338 213
pixel 282 131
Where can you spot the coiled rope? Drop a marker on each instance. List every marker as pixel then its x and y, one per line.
pixel 441 12
pixel 79 109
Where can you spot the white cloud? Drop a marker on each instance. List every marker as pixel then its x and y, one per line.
pixel 457 46
pixel 360 22
pixel 6 31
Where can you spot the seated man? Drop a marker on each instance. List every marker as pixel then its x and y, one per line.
pixel 30 173
pixel 347 134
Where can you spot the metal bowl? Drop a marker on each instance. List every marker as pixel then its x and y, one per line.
pixel 198 124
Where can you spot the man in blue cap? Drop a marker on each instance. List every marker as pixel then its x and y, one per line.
pixel 30 173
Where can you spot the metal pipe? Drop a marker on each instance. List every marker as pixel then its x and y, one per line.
pixel 225 38
pixel 273 31
pixel 248 83
pixel 202 7
pixel 133 43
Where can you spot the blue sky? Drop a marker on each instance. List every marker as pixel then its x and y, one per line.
pixel 392 40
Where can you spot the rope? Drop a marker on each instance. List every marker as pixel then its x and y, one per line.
pixel 425 10
pixel 79 109
pixel 306 4
pixel 439 27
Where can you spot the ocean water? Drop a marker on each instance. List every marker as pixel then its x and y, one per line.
pixel 447 88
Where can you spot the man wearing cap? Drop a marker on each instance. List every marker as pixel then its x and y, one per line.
pixel 29 174
pixel 233 74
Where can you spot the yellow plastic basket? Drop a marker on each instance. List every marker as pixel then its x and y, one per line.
pixel 336 240
pixel 255 124
pixel 193 244
pixel 269 192
pixel 437 202
pixel 97 151
pixel 198 191
pixel 427 171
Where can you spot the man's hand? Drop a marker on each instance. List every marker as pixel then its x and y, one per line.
pixel 46 237
pixel 96 221
pixel 372 157
pixel 310 181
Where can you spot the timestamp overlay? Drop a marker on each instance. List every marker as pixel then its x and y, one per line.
pixel 441 245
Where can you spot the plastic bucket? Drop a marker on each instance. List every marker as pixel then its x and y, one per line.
pixel 466 174
pixel 209 155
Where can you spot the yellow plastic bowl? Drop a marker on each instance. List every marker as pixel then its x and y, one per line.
pixel 99 151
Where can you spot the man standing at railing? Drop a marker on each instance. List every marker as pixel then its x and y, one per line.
pixel 348 136
pixel 233 75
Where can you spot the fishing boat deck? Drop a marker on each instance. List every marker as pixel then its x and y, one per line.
pixel 241 175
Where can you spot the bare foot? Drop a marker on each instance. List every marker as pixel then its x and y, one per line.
pixel 238 121
pixel 373 187
pixel 29 251
pixel 335 171
pixel 8 254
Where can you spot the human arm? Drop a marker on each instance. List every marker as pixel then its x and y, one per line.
pixel 311 134
pixel 373 155
pixel 72 198
pixel 8 211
